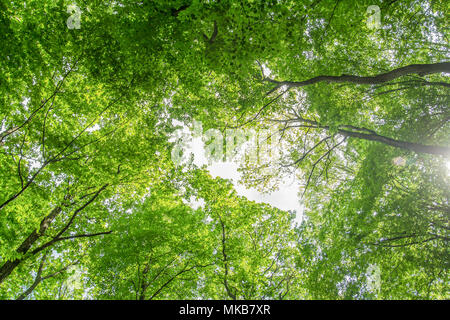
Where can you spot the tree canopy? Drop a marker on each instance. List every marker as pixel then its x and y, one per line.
pixel 350 98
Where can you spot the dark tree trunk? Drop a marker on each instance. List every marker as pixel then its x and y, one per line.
pixel 8 267
pixel 420 69
pixel 411 146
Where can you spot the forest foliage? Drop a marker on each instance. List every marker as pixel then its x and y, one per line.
pixel 93 205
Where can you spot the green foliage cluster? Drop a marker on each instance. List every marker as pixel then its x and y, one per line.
pixel 93 207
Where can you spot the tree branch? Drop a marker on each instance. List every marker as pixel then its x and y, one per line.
pixel 420 69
